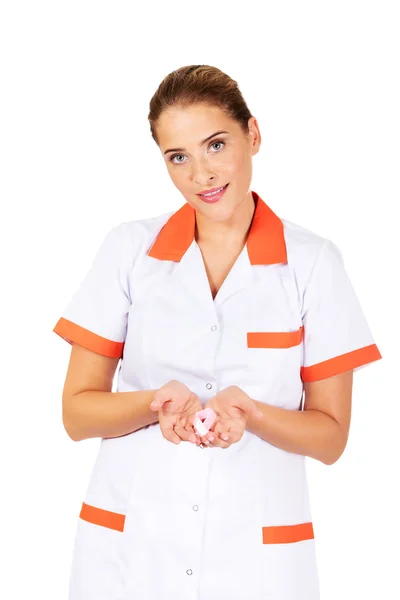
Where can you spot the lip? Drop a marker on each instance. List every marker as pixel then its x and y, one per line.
pixel 209 191
pixel 214 198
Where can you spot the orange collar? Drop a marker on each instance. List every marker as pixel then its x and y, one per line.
pixel 265 241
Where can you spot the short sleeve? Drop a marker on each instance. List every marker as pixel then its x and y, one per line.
pixel 336 336
pixel 96 316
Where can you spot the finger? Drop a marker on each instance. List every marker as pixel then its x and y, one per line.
pixel 190 421
pixel 218 443
pixel 250 407
pixel 222 429
pixel 226 438
pixel 186 434
pixel 232 437
pixel 157 404
pixel 167 430
pixel 192 431
pixel 208 439
pixel 161 397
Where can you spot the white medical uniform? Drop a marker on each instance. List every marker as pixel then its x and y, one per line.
pixel 161 521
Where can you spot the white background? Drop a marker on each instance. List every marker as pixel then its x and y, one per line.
pixel 77 158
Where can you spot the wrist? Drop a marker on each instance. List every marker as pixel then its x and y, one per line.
pixel 152 415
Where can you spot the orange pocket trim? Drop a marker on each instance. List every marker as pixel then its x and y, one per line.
pixel 274 339
pixel 71 332
pixel 285 534
pixel 99 516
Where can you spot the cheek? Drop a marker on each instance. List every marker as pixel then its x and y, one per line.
pixel 234 164
pixel 178 178
pixel 229 159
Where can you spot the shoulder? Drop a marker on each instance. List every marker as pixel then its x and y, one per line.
pixel 136 236
pixel 301 243
pixel 306 248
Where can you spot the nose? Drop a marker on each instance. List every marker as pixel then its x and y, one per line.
pixel 201 171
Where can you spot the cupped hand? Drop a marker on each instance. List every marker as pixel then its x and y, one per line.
pixel 233 407
pixel 177 405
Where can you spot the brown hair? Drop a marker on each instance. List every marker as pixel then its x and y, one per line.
pixel 199 83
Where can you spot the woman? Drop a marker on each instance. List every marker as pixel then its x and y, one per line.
pixel 219 304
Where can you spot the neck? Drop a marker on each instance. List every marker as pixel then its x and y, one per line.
pixel 232 230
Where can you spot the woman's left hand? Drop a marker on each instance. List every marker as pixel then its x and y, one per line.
pixel 233 407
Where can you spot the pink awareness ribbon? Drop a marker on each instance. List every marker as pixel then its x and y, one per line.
pixel 204 420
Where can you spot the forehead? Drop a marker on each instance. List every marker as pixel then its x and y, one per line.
pixel 180 125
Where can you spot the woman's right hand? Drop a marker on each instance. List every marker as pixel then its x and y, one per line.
pixel 177 405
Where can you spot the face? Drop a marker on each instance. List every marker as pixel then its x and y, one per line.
pixel 199 159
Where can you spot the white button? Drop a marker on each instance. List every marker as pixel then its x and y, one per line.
pixel 195 507
pixel 189 571
pixel 209 386
pixel 213 328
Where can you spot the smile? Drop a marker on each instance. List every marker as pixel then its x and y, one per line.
pixel 213 196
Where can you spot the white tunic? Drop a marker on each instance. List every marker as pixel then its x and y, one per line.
pixel 161 521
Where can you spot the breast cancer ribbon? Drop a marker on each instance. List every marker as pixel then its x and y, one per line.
pixel 204 420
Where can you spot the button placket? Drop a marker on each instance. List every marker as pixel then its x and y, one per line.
pixel 209 385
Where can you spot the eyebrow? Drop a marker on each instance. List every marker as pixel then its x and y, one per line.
pixel 201 143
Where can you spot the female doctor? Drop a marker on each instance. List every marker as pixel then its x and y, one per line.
pixel 223 305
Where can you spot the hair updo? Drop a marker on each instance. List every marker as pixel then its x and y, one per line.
pixel 199 84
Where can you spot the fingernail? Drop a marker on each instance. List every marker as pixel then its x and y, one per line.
pixel 211 438
pixel 225 437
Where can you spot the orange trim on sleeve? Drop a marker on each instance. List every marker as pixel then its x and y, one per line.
pixel 274 339
pixel 71 332
pixel 105 518
pixel 285 534
pixel 339 364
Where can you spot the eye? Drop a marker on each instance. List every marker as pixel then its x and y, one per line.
pixel 218 142
pixel 181 161
pixel 173 156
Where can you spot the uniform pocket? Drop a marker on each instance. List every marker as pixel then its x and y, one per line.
pixel 102 517
pixel 99 563
pixel 272 352
pixel 287 534
pixel 274 339
pixel 288 562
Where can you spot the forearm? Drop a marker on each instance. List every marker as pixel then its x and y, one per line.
pixel 107 414
pixel 308 432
